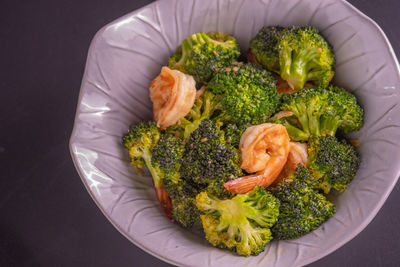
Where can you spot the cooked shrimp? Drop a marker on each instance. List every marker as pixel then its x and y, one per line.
pixel 264 150
pixel 281 114
pixel 297 155
pixel 173 94
pixel 200 92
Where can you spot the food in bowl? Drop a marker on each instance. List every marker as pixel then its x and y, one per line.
pixel 248 151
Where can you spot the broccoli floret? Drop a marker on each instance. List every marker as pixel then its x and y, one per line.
pixel 247 94
pixel 203 108
pixel 240 94
pixel 319 111
pixel 307 107
pixel 233 132
pixel 183 196
pixel 140 142
pixel 264 46
pixel 298 54
pixel 242 223
pixel 302 209
pixel 344 114
pixel 166 157
pixel 332 162
pixel 184 211
pixel 201 54
pixel 209 160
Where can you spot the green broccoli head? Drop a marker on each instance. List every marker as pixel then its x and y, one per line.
pixel 265 47
pixel 298 54
pixel 201 54
pixel 166 157
pixel 241 223
pixel 170 160
pixel 302 209
pixel 344 114
pixel 166 160
pixel 184 210
pixel 247 94
pixel 233 132
pixel 209 160
pixel 319 111
pixel 332 162
pixel 183 196
pixel 307 107
pixel 140 141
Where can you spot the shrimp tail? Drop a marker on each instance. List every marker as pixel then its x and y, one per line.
pixel 243 184
pixel 165 201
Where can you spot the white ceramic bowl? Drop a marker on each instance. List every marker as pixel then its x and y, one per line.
pixel 128 53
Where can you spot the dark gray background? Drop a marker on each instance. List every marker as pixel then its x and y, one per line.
pixel 46 216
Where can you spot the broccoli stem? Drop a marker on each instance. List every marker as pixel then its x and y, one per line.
pixel 190 128
pixel 303 116
pixel 295 133
pixel 156 177
pixel 285 61
pixel 202 38
pixel 314 75
pixel 195 112
pixel 162 195
pixel 309 119
pixel 295 66
pixel 313 122
pixel 329 125
pixel 186 47
pixel 199 115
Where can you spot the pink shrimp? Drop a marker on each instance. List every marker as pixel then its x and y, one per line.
pixel 297 155
pixel 264 150
pixel 173 94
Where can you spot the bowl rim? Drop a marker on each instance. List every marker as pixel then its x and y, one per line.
pixel 360 228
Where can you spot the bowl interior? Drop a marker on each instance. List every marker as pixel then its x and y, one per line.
pixel 128 53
